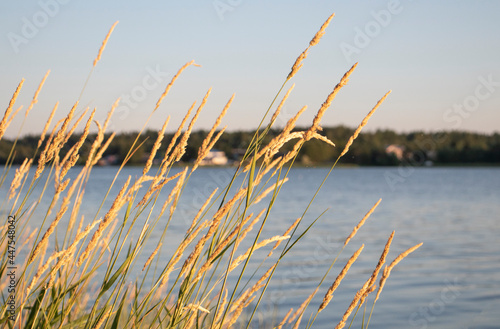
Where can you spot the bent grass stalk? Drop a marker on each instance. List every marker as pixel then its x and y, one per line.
pixel 97 277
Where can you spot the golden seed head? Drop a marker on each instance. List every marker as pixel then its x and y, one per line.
pixel 35 97
pixel 336 283
pixel 321 31
pixel 3 123
pixel 105 41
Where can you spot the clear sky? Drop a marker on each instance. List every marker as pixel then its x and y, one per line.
pixel 440 58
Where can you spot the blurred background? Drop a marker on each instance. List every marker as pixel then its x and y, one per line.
pixel 440 59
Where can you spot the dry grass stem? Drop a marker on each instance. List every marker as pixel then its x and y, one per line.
pixel 191 234
pixel 351 307
pixel 46 127
pixel 245 299
pixel 291 122
pixel 77 203
pixel 195 307
pixel 48 233
pixel 276 143
pixel 252 290
pixel 61 186
pixel 278 109
pixel 388 269
pixel 110 114
pixel 104 42
pixel 403 255
pixel 290 155
pixel 138 184
pixel 368 291
pixel 80 225
pixel 250 250
pixel 361 222
pixel 105 241
pixel 321 31
pixel 381 260
pixel 190 322
pixel 220 247
pixel 205 152
pixel 35 97
pixel 43 156
pixel 302 308
pixel 86 131
pixel 104 317
pixel 110 215
pixel 275 146
pixel 13 115
pixel 286 135
pixel 176 193
pixel 95 145
pixel 72 156
pixel 362 124
pixel 42 269
pixel 208 143
pixel 167 89
pixel 221 213
pixel 61 134
pixel 75 125
pixel 150 258
pixel 329 294
pixel 156 146
pixel 202 155
pixel 323 139
pixel 282 323
pixel 181 147
pixel 69 252
pixel 326 104
pixel 217 123
pixel 287 232
pixel 93 158
pixel 269 190
pixel 298 62
pixel 157 185
pixel 220 312
pixel 248 229
pixel 103 149
pixel 202 209
pixel 3 123
pixel 27 240
pixel 165 161
pixel 18 177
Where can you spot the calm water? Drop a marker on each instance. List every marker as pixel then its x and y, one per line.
pixel 452 281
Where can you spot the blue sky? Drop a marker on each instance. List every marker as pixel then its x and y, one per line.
pixel 441 59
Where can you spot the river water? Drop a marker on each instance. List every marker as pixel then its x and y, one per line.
pixel 452 281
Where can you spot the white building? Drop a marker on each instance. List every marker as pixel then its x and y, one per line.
pixel 214 158
pixel 397 150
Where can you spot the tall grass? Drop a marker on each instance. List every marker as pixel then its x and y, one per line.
pixel 91 276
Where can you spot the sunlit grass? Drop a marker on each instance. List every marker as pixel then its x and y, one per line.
pixel 93 276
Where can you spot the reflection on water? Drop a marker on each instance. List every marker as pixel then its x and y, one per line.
pixel 452 281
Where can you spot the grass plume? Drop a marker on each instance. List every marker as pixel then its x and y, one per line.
pixel 100 272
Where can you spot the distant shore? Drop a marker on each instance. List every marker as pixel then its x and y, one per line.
pixel 379 148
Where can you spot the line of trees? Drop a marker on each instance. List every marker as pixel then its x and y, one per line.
pixel 370 148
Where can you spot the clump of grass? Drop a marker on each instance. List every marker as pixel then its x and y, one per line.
pixel 92 277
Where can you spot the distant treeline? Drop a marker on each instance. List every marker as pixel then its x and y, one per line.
pixel 379 148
